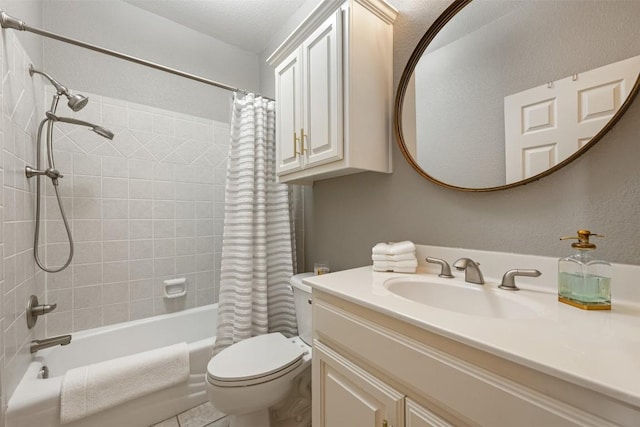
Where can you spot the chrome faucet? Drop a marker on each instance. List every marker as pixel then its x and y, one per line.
pixel 34 310
pixel 509 278
pixel 445 270
pixel 472 273
pixel 49 342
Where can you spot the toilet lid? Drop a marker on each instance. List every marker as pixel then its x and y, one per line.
pixel 254 358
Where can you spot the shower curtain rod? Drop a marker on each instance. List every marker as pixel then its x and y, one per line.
pixel 8 21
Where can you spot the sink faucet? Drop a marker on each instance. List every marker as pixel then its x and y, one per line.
pixel 472 273
pixel 445 270
pixel 49 342
pixel 509 278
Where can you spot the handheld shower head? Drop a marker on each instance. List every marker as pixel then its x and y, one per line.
pixel 76 101
pixel 105 133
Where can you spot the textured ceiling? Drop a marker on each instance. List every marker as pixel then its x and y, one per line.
pixel 248 24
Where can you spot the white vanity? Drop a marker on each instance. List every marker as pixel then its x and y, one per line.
pixel 395 350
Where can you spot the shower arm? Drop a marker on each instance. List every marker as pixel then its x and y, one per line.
pixel 8 21
pixel 60 89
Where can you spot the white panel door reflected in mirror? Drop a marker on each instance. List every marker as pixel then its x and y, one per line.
pixel 547 124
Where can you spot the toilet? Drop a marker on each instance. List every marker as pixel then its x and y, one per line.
pixel 248 377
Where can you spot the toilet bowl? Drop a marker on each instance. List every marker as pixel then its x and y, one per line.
pixel 248 377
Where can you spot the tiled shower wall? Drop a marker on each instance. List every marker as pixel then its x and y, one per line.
pixel 145 207
pixel 19 277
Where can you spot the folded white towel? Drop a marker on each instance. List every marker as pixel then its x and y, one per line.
pixel 94 388
pixel 393 248
pixel 392 264
pixel 407 256
pixel 396 269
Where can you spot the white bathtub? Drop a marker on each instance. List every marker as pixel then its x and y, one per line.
pixel 36 401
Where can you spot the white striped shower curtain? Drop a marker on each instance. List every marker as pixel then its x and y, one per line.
pixel 257 253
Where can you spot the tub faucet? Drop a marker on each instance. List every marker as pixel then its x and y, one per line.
pixel 472 273
pixel 49 342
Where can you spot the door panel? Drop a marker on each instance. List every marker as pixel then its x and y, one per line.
pixel 322 71
pixel 547 124
pixel 288 118
pixel 349 396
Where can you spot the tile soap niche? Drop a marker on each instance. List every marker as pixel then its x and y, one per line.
pixel 175 288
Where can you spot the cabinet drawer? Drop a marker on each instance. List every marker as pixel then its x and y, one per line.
pixel 418 416
pixel 448 381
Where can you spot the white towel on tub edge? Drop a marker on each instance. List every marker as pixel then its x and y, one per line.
pixel 93 388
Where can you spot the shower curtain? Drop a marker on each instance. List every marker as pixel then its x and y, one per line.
pixel 257 253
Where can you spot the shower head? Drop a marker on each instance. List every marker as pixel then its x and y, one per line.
pixel 76 101
pixel 105 133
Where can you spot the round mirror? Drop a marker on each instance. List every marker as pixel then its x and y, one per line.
pixel 501 93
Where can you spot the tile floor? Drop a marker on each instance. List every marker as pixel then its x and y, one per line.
pixel 205 415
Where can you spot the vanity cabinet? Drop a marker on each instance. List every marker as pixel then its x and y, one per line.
pixel 350 396
pixel 370 368
pixel 333 79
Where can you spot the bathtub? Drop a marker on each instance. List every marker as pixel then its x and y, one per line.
pixel 36 401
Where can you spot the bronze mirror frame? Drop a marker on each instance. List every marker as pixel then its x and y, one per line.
pixel 428 37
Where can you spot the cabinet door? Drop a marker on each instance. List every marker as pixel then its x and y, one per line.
pixel 322 93
pixel 344 395
pixel 419 416
pixel 288 114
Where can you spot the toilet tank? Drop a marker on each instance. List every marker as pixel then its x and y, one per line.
pixel 302 301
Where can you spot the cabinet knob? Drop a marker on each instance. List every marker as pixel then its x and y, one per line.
pixel 386 424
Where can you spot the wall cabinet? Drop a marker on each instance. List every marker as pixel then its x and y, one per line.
pixel 308 113
pixel 334 81
pixel 369 369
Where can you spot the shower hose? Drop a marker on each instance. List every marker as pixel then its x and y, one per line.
pixel 54 178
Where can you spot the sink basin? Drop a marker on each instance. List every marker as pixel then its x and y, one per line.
pixel 465 298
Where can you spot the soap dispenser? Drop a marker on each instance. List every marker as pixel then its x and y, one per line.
pixel 583 281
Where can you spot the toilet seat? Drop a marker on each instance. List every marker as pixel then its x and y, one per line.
pixel 253 361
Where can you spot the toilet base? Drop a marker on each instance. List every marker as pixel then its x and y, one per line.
pixel 253 419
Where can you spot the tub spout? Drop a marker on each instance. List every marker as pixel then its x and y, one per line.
pixel 49 342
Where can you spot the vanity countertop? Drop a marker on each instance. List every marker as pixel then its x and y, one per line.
pixel 599 350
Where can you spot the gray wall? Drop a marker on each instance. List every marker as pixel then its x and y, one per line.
pixel 599 191
pixel 122 27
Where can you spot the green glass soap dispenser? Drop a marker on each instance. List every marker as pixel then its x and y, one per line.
pixel 583 281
